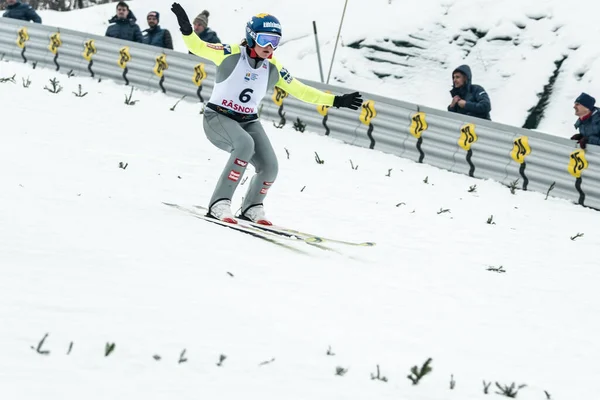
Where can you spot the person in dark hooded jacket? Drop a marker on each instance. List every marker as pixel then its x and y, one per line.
pixel 588 121
pixel 123 25
pixel 17 10
pixel 155 35
pixel 467 98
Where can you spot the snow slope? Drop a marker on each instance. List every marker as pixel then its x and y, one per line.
pixel 89 255
pixel 408 50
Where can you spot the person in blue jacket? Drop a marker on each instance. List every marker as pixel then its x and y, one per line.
pixel 588 122
pixel 468 98
pixel 155 35
pixel 17 10
pixel 123 25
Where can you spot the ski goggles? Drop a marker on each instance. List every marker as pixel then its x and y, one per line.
pixel 264 39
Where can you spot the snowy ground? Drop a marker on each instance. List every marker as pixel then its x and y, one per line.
pixel 409 49
pixel 89 255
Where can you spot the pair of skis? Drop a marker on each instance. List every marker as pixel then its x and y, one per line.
pixel 271 233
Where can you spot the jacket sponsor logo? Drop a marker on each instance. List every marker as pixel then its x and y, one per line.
pixel 241 163
pixel 236 107
pixel 234 176
pixel 215 46
pixel 226 49
pixel 285 74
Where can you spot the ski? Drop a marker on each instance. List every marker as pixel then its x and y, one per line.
pixel 250 230
pixel 295 234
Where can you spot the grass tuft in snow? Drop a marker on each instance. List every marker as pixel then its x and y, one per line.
pixel 416 373
pixel 577 236
pixel 318 159
pixel 549 190
pixel 222 358
pixel 109 348
pixel 182 358
pixel 80 93
pixel 56 88
pixel 378 376
pixel 266 362
pixel 128 99
pixel 330 352
pixel 38 349
pixel 299 125
pixel 499 269
pixel 176 103
pixel 509 391
pixel 486 387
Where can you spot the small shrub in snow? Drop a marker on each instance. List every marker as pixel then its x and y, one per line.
pixel 577 236
pixel 378 376
pixel 182 358
pixel 222 358
pixel 109 348
pixel 128 99
pixel 38 349
pixel 318 159
pixel 56 88
pixel 330 352
pixel 509 391
pixel 10 79
pixel 299 125
pixel 418 373
pixel 175 105
pixel 80 93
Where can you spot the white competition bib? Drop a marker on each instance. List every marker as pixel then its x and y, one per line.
pixel 244 88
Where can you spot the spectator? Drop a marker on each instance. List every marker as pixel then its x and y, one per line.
pixel 588 122
pixel 17 10
pixel 467 98
pixel 123 25
pixel 203 31
pixel 155 35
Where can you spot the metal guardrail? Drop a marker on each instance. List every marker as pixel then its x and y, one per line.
pixel 479 148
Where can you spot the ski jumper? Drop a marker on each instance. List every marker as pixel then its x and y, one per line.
pixel 231 116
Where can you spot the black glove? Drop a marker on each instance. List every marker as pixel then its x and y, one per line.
pixel 576 136
pixel 184 22
pixel 350 100
pixel 583 142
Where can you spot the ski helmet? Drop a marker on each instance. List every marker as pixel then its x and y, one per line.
pixel 261 23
